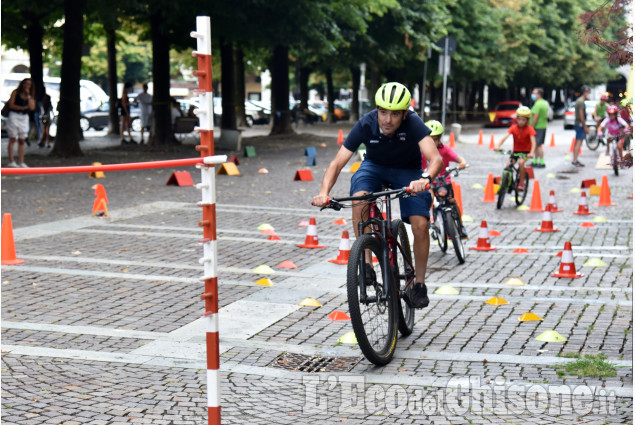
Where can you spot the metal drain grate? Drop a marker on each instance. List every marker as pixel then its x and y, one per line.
pixel 314 364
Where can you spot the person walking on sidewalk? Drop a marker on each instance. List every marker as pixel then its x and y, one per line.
pixel 46 110
pixel 394 138
pixel 580 127
pixel 124 111
pixel 539 118
pixel 21 102
pixel 144 101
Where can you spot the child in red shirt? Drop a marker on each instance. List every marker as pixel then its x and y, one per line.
pixel 524 140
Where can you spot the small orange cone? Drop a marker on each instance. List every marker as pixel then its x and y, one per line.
pixel 480 138
pixel 494 233
pixel 452 142
pixel 583 207
pixel 340 222
pixel 553 141
pixel 274 238
pixel 567 266
pixel 311 240
pixel 536 199
pixel 552 206
pixel 489 189
pixel 340 137
pixel 345 250
pixel 491 143
pixel 605 193
pixel 288 264
pixel 8 244
pixel 520 251
pixel 547 223
pixel 482 244
pixel 338 315
pixel 587 224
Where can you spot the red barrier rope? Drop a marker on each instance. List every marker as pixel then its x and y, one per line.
pixel 108 167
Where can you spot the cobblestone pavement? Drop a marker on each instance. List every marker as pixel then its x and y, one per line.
pixel 101 323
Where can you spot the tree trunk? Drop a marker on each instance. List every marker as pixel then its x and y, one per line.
pixel 68 131
pixel 280 112
pixel 373 82
pixel 304 87
pixel 228 119
pixel 34 34
pixel 356 74
pixel 113 115
pixel 239 93
pixel 161 114
pixel 330 117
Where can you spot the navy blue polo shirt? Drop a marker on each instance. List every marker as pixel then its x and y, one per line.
pixel 399 151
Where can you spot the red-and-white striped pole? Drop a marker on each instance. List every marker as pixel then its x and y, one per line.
pixel 207 186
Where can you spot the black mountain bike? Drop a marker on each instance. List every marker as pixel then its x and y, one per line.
pixel 375 293
pixel 510 179
pixel 446 222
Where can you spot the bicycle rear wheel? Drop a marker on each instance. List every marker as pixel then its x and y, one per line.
pixel 521 195
pixel 455 237
pixel 615 159
pixel 442 240
pixel 402 273
pixel 592 140
pixel 502 190
pixel 373 313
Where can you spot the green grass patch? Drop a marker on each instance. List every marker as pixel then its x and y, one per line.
pixel 593 365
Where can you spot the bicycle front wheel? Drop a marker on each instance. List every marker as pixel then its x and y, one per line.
pixel 615 156
pixel 403 273
pixel 502 189
pixel 442 240
pixel 521 194
pixel 373 312
pixel 455 237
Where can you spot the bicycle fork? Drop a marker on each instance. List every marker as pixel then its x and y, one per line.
pixel 379 227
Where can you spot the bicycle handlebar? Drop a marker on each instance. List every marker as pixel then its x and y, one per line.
pixel 512 153
pixel 336 203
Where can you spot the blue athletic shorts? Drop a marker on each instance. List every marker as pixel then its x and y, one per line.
pixel 370 177
pixel 579 132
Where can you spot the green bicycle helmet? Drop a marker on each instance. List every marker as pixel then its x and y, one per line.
pixel 393 96
pixel 523 111
pixel 435 126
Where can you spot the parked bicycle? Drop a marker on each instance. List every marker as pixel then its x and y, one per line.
pixel 446 224
pixel 376 297
pixel 510 179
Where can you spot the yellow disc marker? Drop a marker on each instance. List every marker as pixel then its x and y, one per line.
pixel 575 190
pixel 348 338
pixel 265 226
pixel 551 336
pixel 523 208
pixel 466 218
pixel 264 282
pixel 514 281
pixel 263 269
pixel 529 317
pixel 310 302
pixel 599 219
pixel 477 186
pixel 496 301
pixel 446 290
pixel 551 176
pixel 594 262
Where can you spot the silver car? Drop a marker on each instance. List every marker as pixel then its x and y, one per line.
pixel 569 115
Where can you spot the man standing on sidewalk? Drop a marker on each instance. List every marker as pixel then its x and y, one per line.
pixel 581 130
pixel 539 113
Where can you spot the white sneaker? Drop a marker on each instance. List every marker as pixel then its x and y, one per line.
pixel 12 164
pixel 23 165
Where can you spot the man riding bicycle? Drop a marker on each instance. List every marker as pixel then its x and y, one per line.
pixel 524 141
pixel 394 138
pixel 448 155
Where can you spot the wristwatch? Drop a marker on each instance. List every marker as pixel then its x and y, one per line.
pixel 425 175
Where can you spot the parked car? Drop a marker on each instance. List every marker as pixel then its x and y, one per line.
pixel 569 115
pixel 505 113
pixel 98 118
pixel 254 113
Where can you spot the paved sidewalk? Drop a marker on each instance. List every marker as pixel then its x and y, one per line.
pixel 101 323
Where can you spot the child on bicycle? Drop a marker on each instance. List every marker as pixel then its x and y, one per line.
pixel 613 125
pixel 448 155
pixel 524 141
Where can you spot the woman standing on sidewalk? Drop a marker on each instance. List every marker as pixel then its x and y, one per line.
pixel 124 109
pixel 22 101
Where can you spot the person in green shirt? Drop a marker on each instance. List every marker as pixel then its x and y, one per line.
pixel 600 109
pixel 539 113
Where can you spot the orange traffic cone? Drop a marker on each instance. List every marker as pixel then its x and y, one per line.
pixel 340 137
pixel 491 143
pixel 536 199
pixel 572 145
pixel 99 204
pixel 605 193
pixel 480 138
pixel 489 189
pixel 458 196
pixel 547 223
pixel 345 250
pixel 482 244
pixel 8 244
pixel 452 142
pixel 553 141
pixel 583 207
pixel 567 266
pixel 552 206
pixel 311 240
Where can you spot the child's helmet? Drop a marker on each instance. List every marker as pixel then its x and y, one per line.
pixel 393 96
pixel 604 97
pixel 625 101
pixel 435 126
pixel 611 109
pixel 523 111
